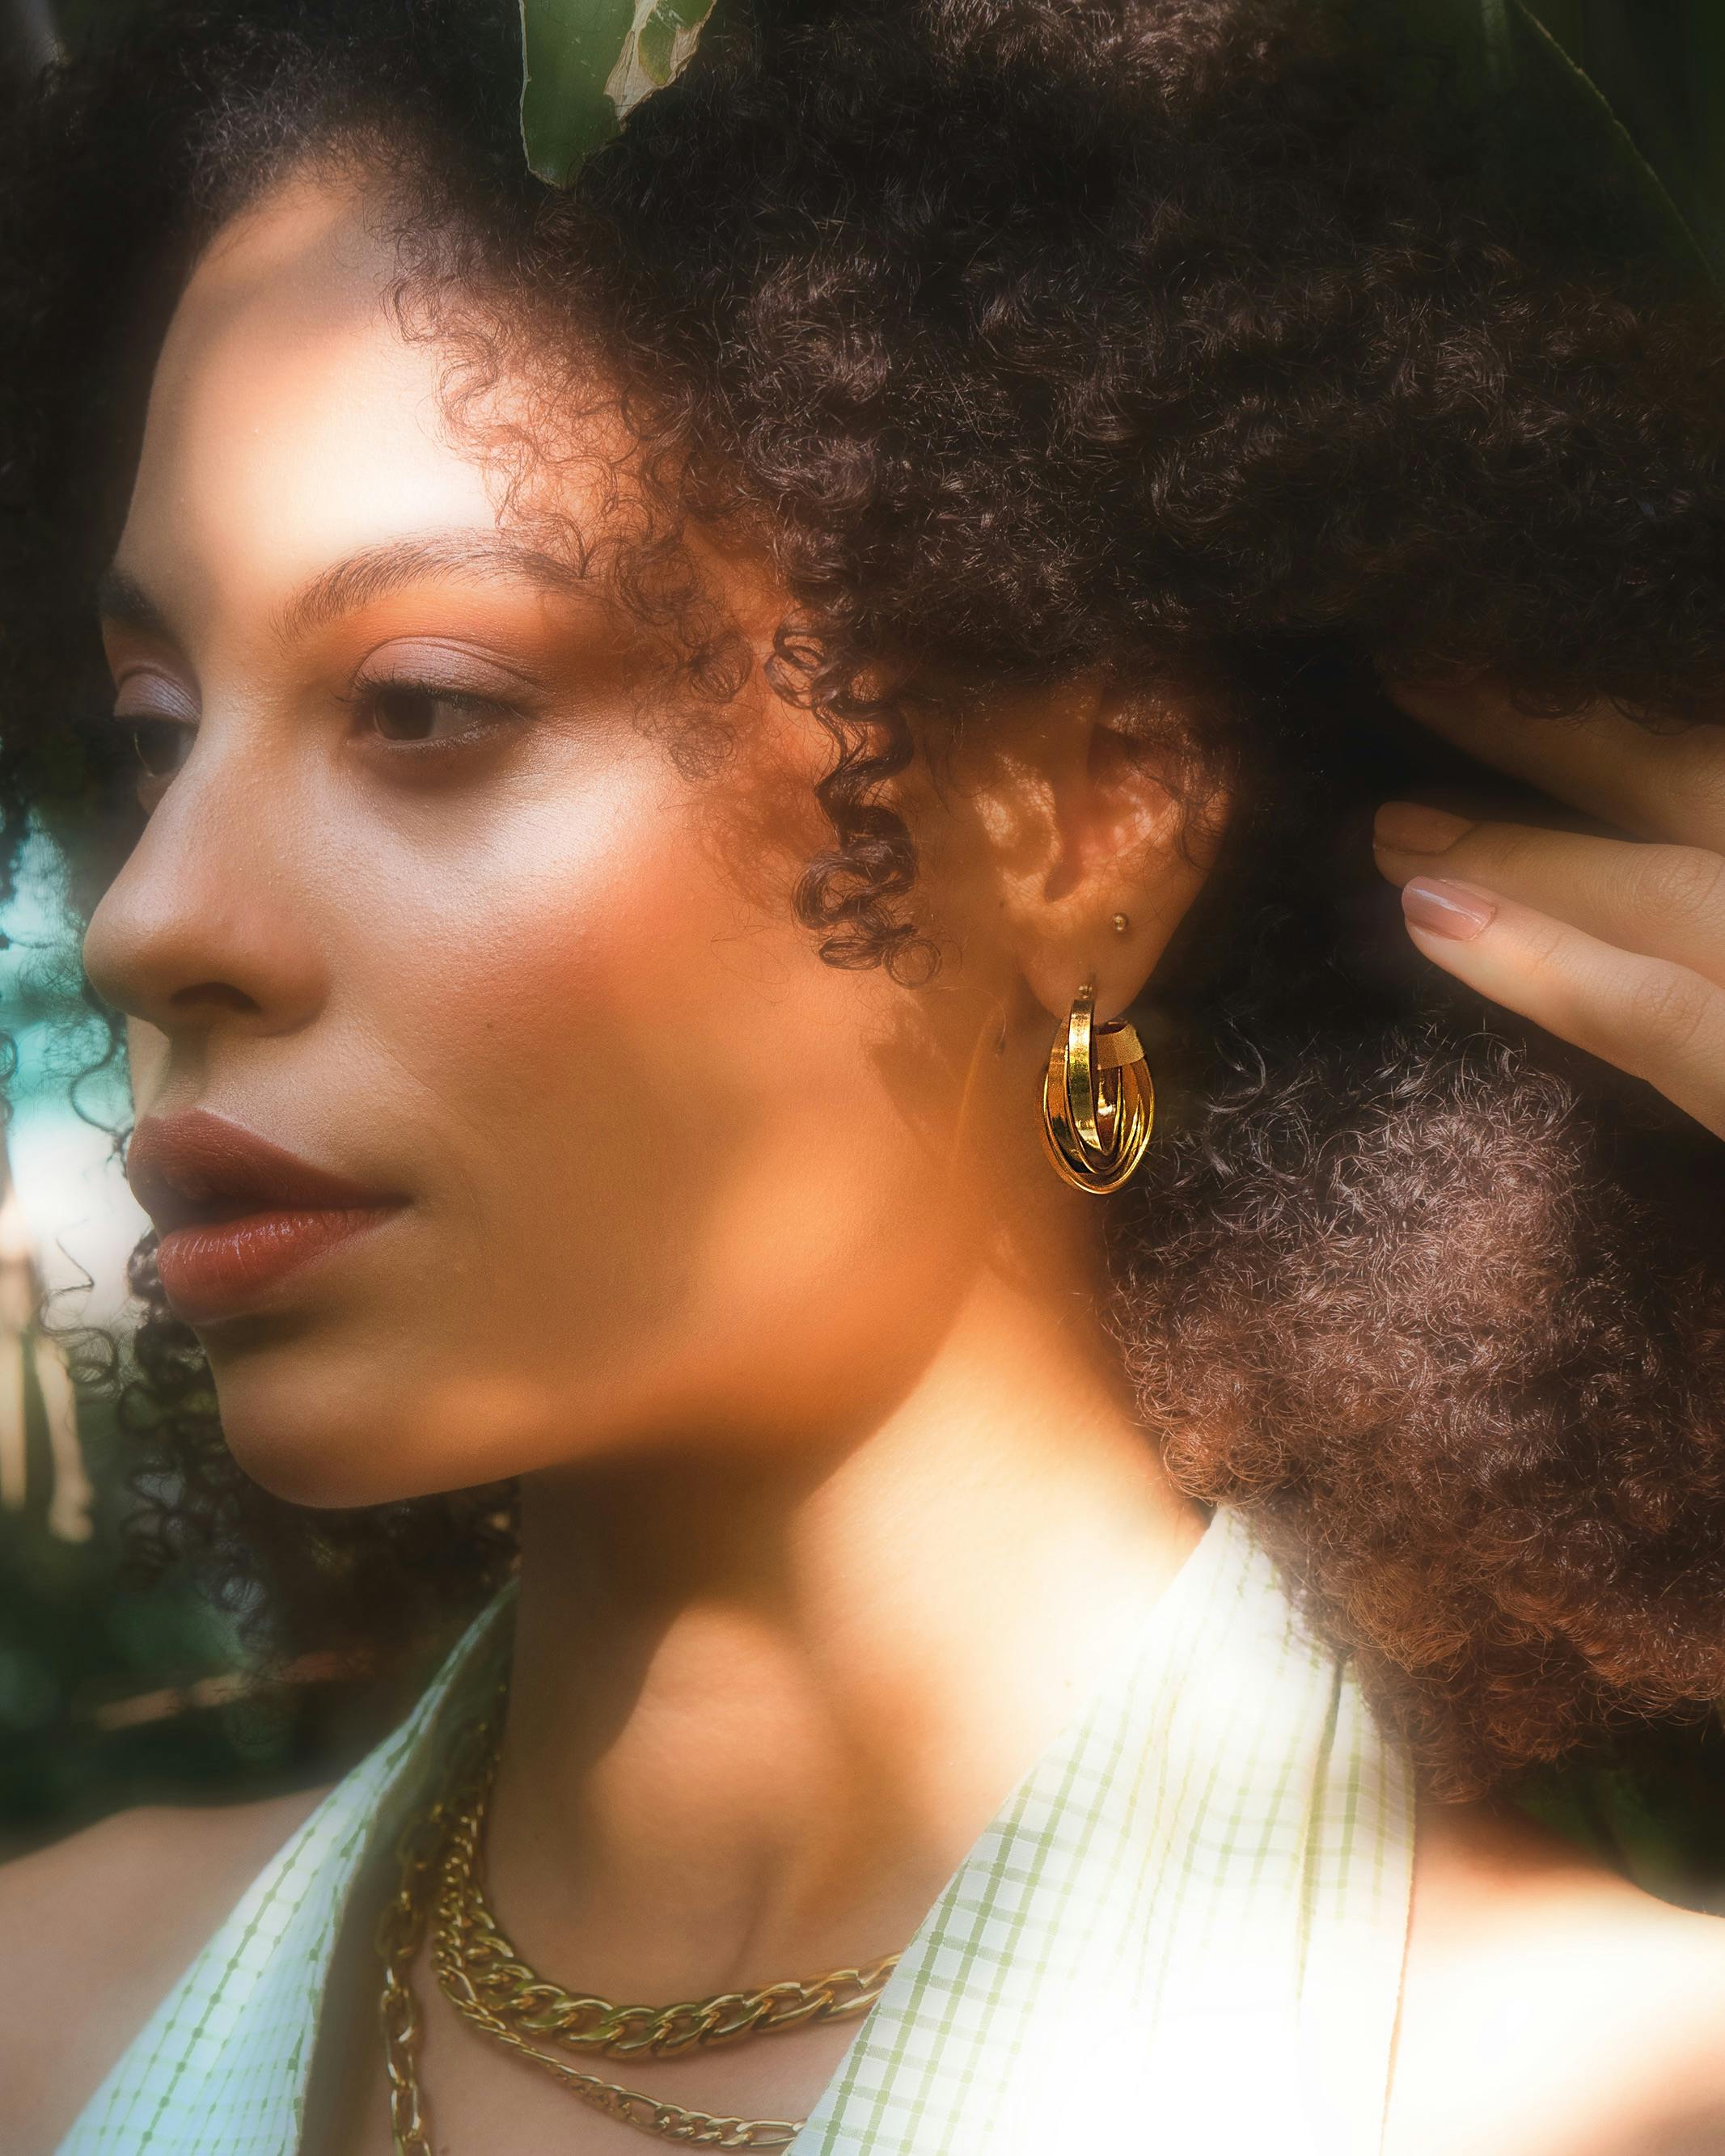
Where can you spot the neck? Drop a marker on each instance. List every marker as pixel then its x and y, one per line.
pixel 761 1707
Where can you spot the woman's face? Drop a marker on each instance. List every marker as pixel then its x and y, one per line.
pixel 421 901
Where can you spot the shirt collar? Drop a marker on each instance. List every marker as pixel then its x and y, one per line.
pixel 1184 1926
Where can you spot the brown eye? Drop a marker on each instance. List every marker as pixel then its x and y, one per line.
pixel 419 711
pixel 161 745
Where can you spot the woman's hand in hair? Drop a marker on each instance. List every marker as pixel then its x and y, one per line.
pixel 1616 944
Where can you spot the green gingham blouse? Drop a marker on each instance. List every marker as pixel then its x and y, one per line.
pixel 1200 1889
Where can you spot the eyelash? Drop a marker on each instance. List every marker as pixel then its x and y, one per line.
pixel 371 699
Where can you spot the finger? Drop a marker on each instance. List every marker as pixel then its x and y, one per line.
pixel 1657 1021
pixel 1663 902
pixel 1664 785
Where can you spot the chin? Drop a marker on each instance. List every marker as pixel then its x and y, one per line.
pixel 333 1417
pixel 307 1433
pixel 326 1470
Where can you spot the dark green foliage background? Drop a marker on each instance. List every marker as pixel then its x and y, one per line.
pixel 1661 63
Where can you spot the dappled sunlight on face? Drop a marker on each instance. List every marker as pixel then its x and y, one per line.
pixel 423 898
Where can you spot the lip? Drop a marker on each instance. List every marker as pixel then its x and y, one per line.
pixel 236 1213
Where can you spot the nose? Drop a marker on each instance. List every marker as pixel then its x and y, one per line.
pixel 205 927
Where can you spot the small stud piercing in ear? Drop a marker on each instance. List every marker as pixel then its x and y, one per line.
pixel 1121 924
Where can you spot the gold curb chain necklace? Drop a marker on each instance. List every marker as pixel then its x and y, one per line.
pixel 441 1884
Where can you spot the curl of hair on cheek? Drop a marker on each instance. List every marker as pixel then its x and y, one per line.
pixel 523 391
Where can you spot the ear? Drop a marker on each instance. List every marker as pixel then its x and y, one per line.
pixel 1099 804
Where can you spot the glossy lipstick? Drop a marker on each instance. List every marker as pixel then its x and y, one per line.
pixel 234 1212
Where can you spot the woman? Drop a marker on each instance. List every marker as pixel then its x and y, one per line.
pixel 644 721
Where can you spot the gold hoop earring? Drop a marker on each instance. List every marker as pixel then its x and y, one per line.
pixel 1098 1103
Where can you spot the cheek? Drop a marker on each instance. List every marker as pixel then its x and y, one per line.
pixel 542 1002
pixel 649 1122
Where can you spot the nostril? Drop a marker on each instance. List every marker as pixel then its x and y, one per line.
pixel 222 993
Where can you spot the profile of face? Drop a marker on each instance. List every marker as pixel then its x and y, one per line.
pixel 420 899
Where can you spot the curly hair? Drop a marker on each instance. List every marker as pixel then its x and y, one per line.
pixel 1216 342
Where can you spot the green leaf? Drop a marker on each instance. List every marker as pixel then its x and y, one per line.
pixel 568 50
pixel 587 64
pixel 1536 58
pixel 1522 61
pixel 1662 69
pixel 652 47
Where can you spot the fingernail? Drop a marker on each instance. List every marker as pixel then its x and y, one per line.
pixel 1443 908
pixel 1411 827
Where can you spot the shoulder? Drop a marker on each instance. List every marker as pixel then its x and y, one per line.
pixel 1551 2008
pixel 96 1929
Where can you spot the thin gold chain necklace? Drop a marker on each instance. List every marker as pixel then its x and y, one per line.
pixel 484 1977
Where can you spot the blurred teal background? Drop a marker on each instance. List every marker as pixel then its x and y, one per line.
pixel 109 1695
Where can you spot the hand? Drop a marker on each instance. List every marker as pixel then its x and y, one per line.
pixel 1617 944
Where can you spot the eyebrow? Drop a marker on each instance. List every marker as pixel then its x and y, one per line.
pixel 122 600
pixel 377 571
pixel 371 574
